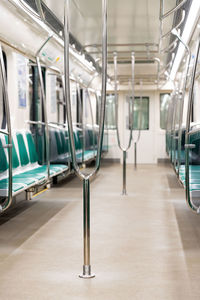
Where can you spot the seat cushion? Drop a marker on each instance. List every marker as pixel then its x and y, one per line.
pixel 16 187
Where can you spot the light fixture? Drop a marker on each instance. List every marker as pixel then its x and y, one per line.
pixel 188 29
pixel 80 58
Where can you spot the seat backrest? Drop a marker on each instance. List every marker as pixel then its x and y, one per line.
pixel 77 141
pixel 59 142
pixel 52 145
pixel 15 158
pixel 24 159
pixel 31 148
pixel 3 158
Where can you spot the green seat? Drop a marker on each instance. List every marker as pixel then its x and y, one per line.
pixel 42 170
pixel 194 187
pixel 21 180
pixel 16 187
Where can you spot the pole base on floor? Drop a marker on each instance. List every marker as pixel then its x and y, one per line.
pixel 124 193
pixel 87 273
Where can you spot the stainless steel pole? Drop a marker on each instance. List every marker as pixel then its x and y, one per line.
pixel 135 155
pixel 86 228
pixel 86 177
pixel 124 173
pixel 45 118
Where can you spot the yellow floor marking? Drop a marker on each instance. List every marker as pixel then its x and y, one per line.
pixel 40 193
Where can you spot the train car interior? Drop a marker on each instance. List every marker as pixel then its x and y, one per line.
pixel 99 149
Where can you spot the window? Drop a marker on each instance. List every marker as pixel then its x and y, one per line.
pixel 110 112
pixel 164 105
pixel 141 113
pixel 61 109
pixel 36 111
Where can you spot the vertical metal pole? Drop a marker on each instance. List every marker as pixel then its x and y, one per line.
pixel 45 117
pixel 82 176
pixel 124 173
pixel 86 229
pixel 135 155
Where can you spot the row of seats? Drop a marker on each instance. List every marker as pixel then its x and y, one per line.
pixel 59 146
pixel 27 172
pixel 194 157
pixel 29 168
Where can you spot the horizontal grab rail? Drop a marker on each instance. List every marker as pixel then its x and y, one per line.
pixel 173 10
pixel 4 132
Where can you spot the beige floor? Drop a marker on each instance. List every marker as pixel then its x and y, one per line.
pixel 143 246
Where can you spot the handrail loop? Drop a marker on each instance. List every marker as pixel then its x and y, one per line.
pixel 86 177
pixel 131 103
pixel 190 104
pixel 9 199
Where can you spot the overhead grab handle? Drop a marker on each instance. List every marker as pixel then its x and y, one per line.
pixel 131 103
pixel 86 177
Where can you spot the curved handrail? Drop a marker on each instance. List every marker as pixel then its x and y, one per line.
pixel 176 27
pixel 8 201
pixel 187 145
pixel 86 177
pixel 67 85
pixel 116 103
pixel 173 10
pixel 131 105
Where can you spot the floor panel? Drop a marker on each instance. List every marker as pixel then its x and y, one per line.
pixel 145 245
